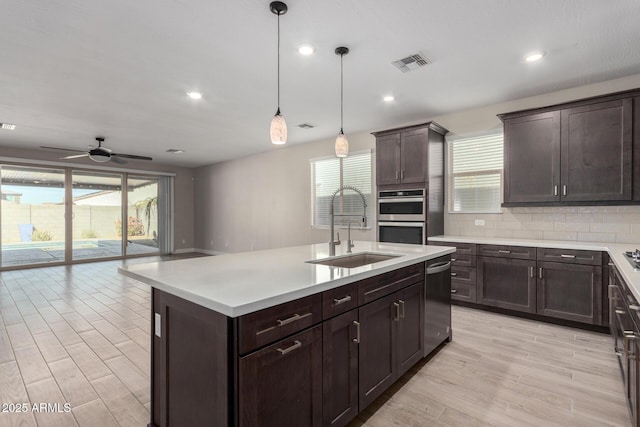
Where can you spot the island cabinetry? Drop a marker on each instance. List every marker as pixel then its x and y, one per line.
pixel 391 340
pixel 463 270
pixel 571 286
pixel 318 360
pixel 281 385
pixel 506 277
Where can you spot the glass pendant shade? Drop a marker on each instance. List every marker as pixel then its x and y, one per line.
pixel 342 145
pixel 278 129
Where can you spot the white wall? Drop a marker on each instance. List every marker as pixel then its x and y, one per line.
pixel 264 201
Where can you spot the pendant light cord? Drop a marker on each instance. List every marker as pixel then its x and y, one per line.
pixel 341 93
pixel 278 63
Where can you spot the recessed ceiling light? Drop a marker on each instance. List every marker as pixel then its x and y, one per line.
pixel 306 50
pixel 388 98
pixel 174 151
pixel 194 95
pixel 534 56
pixel 7 126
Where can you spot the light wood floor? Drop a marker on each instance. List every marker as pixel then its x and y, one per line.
pixel 80 335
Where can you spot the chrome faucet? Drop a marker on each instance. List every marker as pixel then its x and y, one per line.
pixel 334 243
pixel 349 241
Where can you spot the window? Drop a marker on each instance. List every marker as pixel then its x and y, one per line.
pixel 327 175
pixel 475 173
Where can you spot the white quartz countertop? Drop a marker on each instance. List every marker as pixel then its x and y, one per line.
pixel 237 284
pixel 615 251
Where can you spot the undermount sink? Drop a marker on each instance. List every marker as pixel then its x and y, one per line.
pixel 354 260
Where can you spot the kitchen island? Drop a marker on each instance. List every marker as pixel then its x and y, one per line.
pixel 269 338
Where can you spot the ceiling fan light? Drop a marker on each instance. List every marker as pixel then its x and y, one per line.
pixel 99 158
pixel 342 145
pixel 278 129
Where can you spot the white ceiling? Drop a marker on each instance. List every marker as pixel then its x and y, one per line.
pixel 74 69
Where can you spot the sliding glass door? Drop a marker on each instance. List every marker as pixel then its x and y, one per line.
pixel 97 215
pixel 32 214
pixel 62 215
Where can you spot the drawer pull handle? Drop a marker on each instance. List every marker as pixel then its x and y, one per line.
pixel 503 251
pixel 338 301
pixel 454 274
pixel 610 264
pixel 621 312
pixel 296 344
pixel 567 256
pixel 634 307
pixel 454 291
pixel 540 273
pixel 401 302
pixel 291 319
pixel 453 259
pixel 357 338
pixel 396 317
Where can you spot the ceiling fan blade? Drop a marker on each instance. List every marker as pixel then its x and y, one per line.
pixel 62 149
pixel 131 156
pixel 118 160
pixel 77 156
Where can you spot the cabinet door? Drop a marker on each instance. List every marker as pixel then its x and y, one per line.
pixel 532 158
pixel 340 369
pixel 570 291
pixel 410 333
pixel 507 283
pixel 281 385
pixel 596 152
pixel 388 159
pixel 376 359
pixel 414 156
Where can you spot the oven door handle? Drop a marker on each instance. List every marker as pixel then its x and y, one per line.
pixel 402 200
pixel 401 224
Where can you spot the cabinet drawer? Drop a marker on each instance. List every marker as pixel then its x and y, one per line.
pixel 463 292
pixel 271 324
pixel 461 248
pixel 339 300
pixel 517 252
pixel 464 275
pixel 570 256
pixel 462 260
pixel 386 283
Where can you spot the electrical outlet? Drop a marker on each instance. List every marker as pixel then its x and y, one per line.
pixel 480 222
pixel 184 241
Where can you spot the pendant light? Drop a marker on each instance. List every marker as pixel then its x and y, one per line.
pixel 342 145
pixel 278 128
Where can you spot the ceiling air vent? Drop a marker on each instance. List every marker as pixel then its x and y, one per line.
pixel 411 62
pixel 306 126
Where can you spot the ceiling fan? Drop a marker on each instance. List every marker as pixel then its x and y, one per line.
pixel 99 154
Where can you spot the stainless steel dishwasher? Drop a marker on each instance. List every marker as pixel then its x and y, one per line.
pixel 437 307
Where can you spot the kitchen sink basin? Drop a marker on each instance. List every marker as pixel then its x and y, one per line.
pixel 354 260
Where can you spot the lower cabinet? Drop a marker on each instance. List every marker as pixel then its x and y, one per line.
pixel 340 338
pixel 281 385
pixel 507 283
pixel 570 291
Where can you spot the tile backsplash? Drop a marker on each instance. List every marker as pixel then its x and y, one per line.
pixel 619 224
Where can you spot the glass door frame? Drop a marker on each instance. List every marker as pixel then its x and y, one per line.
pixel 68 211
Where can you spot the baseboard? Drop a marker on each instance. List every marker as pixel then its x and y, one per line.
pixel 209 252
pixel 185 250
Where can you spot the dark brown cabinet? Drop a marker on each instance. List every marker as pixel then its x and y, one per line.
pixel 532 158
pixel 596 151
pixel 315 361
pixel 281 385
pixel 463 270
pixel 507 283
pixel 402 154
pixel 573 153
pixel 340 338
pixel 570 291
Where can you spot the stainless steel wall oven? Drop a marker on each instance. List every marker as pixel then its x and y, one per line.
pixel 402 216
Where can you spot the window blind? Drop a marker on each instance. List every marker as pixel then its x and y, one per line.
pixel 327 175
pixel 475 173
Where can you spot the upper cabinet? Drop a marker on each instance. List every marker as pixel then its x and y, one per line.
pixel 576 153
pixel 402 155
